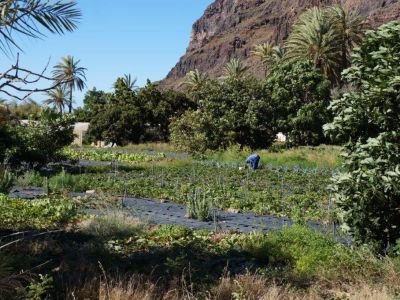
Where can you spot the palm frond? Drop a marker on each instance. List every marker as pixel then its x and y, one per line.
pixel 235 70
pixel 30 17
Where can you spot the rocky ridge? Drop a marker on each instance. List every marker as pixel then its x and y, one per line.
pixel 231 28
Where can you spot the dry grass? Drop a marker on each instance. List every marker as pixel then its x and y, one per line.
pixel 124 290
pixel 112 223
pixel 242 287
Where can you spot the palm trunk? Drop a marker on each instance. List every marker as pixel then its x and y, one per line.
pixel 70 101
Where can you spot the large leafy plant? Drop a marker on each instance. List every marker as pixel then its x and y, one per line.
pixel 368 118
pixel 40 141
pixel 230 111
pixel 300 97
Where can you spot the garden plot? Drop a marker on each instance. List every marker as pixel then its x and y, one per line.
pixel 165 213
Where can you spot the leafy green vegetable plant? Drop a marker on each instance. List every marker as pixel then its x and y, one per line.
pixel 104 155
pixel 367 120
pixel 6 181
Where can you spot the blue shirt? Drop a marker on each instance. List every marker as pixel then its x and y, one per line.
pixel 253 160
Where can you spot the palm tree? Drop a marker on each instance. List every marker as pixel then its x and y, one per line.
pixel 315 37
pixel 269 54
pixel 25 17
pixel 235 70
pixel 351 26
pixel 71 76
pixel 195 81
pixel 56 98
pixel 131 83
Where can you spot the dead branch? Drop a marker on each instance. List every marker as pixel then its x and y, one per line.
pixel 16 81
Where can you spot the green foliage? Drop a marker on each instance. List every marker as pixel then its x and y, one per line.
pixel 160 107
pixel 104 155
pixel 195 82
pixel 40 141
pixel 230 112
pixel 279 156
pixel 30 178
pixel 368 119
pixel 235 70
pixel 300 96
pixel 46 213
pixel 57 99
pixel 200 206
pixel 132 115
pixel 294 192
pixel 40 289
pixel 326 36
pixel 71 76
pixel 120 119
pixel 62 182
pixel 300 207
pixel 269 54
pixel 6 181
pixel 31 18
pixel 25 110
pixel 93 103
pixel 299 251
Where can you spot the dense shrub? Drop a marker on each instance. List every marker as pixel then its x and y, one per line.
pixel 132 115
pixel 368 118
pixel 229 112
pixel 39 141
pixel 300 96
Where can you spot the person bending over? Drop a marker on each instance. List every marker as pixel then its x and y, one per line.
pixel 252 161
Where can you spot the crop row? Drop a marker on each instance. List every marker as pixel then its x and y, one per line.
pixel 292 194
pixel 112 156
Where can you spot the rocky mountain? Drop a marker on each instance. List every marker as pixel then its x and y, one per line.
pixel 231 28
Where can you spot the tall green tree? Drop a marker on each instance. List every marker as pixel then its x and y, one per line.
pixel 300 96
pixel 56 98
pixel 314 37
pixel 235 70
pixel 93 103
pixel 160 107
pixel 269 54
pixel 72 75
pixel 130 81
pixel 230 112
pixel 121 119
pixel 367 119
pixel 351 26
pixel 326 37
pixel 195 81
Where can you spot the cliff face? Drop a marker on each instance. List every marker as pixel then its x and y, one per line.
pixel 231 28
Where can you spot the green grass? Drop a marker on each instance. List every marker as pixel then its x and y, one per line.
pixel 305 157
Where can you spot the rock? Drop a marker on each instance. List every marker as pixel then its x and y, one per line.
pixel 231 28
pixel 90 192
pixel 164 201
pixel 233 210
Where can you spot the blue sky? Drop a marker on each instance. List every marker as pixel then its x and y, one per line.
pixel 145 38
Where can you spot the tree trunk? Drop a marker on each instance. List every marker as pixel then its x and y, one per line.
pixel 70 101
